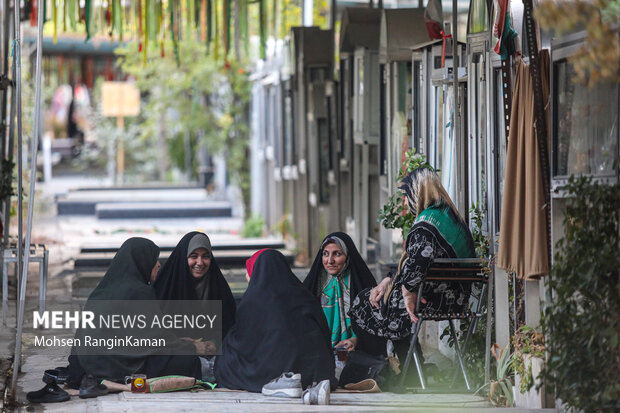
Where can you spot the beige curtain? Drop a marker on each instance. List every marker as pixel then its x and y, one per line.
pixel 523 229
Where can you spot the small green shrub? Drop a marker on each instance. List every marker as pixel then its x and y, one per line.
pixel 394 214
pixel 500 389
pixel 526 342
pixel 6 178
pixel 253 226
pixel 582 323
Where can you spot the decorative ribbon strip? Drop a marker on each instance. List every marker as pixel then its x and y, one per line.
pixel 443 47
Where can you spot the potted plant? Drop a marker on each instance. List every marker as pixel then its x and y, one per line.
pixel 528 360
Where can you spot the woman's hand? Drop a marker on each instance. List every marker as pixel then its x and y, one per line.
pixel 349 344
pixel 410 300
pixel 377 292
pixel 203 348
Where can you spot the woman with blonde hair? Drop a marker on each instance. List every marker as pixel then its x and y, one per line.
pixel 388 310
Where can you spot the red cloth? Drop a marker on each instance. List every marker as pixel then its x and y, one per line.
pixel 499 21
pixel 249 264
pixel 433 17
pixel 443 47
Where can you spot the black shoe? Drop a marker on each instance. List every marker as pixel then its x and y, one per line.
pixel 90 387
pixel 51 393
pixel 59 375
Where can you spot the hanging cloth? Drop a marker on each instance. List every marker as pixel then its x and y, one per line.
pixel 508 42
pixel 523 230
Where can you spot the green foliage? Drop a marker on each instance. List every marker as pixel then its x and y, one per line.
pixel 526 342
pixel 196 95
pixel 500 389
pixel 597 60
pixel 253 226
pixel 6 178
pixel 394 214
pixel 582 323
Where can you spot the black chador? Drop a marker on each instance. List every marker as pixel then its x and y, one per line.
pixel 280 328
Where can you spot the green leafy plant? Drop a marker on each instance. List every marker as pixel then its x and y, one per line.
pixel 394 214
pixel 527 342
pixel 189 102
pixel 582 323
pixel 500 389
pixel 253 226
pixel 6 178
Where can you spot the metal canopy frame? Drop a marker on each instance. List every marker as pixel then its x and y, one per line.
pixel 23 254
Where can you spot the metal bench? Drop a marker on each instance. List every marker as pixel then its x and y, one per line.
pixel 445 276
pixel 38 253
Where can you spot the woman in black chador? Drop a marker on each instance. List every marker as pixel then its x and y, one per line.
pixel 337 275
pixel 280 328
pixel 127 279
pixel 191 273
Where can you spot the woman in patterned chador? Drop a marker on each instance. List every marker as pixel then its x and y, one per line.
pixel 439 231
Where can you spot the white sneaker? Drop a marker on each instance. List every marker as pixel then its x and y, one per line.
pixel 318 394
pixel 287 385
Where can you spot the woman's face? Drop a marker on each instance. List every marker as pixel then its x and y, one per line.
pixel 199 262
pixel 154 272
pixel 333 259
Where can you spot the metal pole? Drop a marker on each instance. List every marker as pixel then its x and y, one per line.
pixel 33 177
pixel 10 149
pixel 18 111
pixel 4 56
pixel 9 152
pixel 462 180
pixel 307 10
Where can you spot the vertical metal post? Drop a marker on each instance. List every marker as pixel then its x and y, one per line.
pixel 9 155
pixel 18 112
pixel 4 62
pixel 33 177
pixel 539 114
pixel 462 153
pixel 307 11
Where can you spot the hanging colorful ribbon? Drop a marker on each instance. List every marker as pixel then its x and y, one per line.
pixel 120 12
pixel 87 18
pixel 261 29
pixel 216 47
pixel 226 27
pixel 203 21
pixel 174 31
pixel 33 14
pixel 55 17
pixel 209 25
pixel 72 13
pixel 443 47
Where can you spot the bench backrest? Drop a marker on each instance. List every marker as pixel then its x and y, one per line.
pixel 453 289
